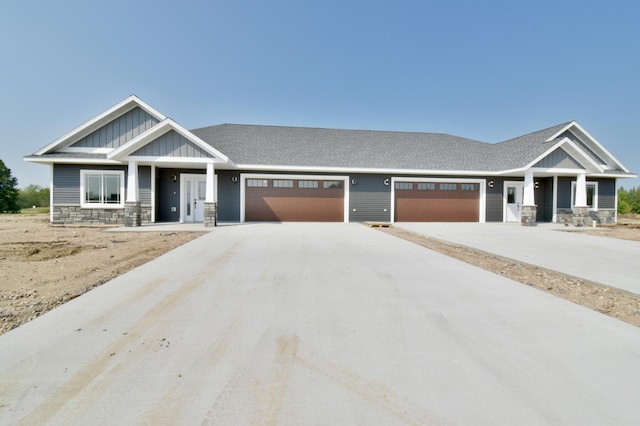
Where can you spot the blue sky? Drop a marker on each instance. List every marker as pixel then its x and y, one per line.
pixel 488 70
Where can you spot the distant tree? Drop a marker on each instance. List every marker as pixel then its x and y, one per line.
pixel 8 190
pixel 33 195
pixel 629 200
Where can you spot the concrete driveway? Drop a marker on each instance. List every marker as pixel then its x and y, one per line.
pixel 609 261
pixel 318 324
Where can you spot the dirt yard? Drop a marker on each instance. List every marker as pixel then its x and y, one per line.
pixel 43 266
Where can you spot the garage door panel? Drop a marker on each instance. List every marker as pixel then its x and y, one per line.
pixel 441 203
pixel 294 204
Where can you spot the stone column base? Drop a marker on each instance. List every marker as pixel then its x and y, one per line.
pixel 528 216
pixel 210 214
pixel 132 213
pixel 580 216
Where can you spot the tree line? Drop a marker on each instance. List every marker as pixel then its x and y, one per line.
pixel 629 200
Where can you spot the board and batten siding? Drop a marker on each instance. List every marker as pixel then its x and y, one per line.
pixel 228 207
pixel 558 159
pixel 172 144
pixel 369 198
pixel 66 183
pixel 119 131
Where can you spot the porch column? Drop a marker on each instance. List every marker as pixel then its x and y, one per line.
pixel 209 201
pixel 528 214
pixel 132 211
pixel 580 208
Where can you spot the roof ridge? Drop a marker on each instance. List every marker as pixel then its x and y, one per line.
pixel 536 131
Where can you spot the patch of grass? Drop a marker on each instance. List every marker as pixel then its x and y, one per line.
pixel 36 210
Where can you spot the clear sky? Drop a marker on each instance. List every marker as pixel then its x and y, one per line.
pixel 489 70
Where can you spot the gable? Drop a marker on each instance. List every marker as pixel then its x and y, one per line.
pixel 119 131
pixel 171 144
pixel 573 138
pixel 559 159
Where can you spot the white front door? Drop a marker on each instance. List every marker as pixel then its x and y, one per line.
pixel 513 194
pixel 194 190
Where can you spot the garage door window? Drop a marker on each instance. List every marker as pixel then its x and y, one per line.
pixel 448 187
pixel 404 185
pixel 282 183
pixel 308 184
pixel 468 187
pixel 427 186
pixel 327 184
pixel 257 183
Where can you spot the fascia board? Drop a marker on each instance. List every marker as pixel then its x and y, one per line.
pixel 561 131
pixel 98 121
pixel 312 169
pixel 155 132
pixel 575 150
pixel 160 159
pixel 62 160
pixel 601 147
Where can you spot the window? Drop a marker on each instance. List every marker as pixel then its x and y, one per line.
pixel 282 183
pixel 327 184
pixel 404 185
pixel 592 195
pixel 468 186
pixel 427 186
pixel 307 184
pixel 257 183
pixel 448 187
pixel 102 188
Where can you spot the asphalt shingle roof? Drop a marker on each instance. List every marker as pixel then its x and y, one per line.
pixel 317 147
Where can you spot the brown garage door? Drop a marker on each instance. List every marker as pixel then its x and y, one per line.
pixel 437 202
pixel 294 200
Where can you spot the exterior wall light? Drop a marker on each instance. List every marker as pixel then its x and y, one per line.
pixel 536 185
pixel 174 177
pixel 490 184
pixel 386 182
pixel 354 181
pixel 234 179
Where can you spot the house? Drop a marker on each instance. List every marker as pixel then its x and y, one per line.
pixel 132 165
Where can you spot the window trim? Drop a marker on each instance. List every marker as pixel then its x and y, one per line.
pixel 89 205
pixel 593 208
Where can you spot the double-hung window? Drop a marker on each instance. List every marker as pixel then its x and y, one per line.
pixel 102 188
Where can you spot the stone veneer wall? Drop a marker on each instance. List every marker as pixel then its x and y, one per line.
pixel 602 216
pixel 67 215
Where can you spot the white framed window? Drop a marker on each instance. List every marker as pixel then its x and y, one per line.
pixel 102 189
pixel 592 195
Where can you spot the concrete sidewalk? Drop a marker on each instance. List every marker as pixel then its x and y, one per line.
pixel 318 324
pixel 608 261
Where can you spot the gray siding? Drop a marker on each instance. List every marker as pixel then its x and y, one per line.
pixel 228 197
pixel 369 198
pixel 559 159
pixel 495 203
pixel 578 142
pixel 66 181
pixel 564 192
pixel 172 144
pixel 144 185
pixel 119 131
pixel 168 193
pixel 606 193
pixel 547 201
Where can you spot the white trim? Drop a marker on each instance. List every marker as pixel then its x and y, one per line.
pixel 100 120
pixel 143 159
pixel 482 212
pixel 84 150
pixel 574 151
pixel 85 205
pixel 595 194
pixel 183 178
pixel 153 193
pixel 554 215
pixel 245 176
pixel 51 193
pixel 615 214
pixel 361 170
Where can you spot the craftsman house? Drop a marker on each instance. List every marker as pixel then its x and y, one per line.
pixel 132 165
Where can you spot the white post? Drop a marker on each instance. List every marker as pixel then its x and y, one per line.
pixel 209 197
pixel 132 181
pixel 529 197
pixel 581 191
